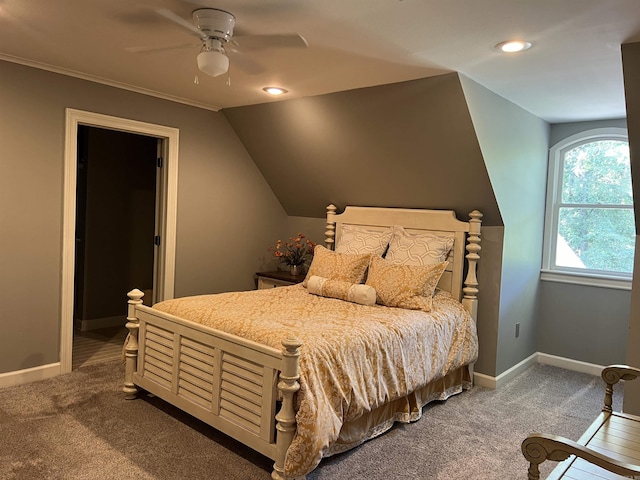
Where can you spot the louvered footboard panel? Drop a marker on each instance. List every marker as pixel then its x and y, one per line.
pixel 213 376
pixel 241 388
pixel 158 350
pixel 196 371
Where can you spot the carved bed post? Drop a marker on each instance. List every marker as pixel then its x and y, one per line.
pixel 131 344
pixel 470 300
pixel 286 417
pixel 330 234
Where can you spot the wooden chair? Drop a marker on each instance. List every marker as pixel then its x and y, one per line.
pixel 612 442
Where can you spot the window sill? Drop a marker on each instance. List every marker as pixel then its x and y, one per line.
pixel 618 283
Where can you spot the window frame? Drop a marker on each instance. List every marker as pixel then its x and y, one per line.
pixel 550 271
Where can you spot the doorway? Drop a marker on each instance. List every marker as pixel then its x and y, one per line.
pixel 115 232
pixel 166 142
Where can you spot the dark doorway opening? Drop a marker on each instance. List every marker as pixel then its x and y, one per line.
pixel 116 203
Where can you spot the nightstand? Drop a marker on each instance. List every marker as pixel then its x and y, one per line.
pixel 277 279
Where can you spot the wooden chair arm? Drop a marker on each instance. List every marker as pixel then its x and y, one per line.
pixel 539 447
pixel 612 375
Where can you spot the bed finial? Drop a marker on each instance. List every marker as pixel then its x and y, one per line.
pixel 330 234
pixel 470 300
pixel 131 344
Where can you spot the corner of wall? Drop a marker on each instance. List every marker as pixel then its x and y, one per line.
pixel 514 145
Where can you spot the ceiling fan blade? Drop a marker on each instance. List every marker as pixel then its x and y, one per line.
pixel 259 42
pixel 244 63
pixel 169 15
pixel 146 49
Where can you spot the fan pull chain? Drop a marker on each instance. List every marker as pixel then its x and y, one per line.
pixel 196 80
pixel 228 79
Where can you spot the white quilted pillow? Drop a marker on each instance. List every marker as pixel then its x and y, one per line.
pixel 358 240
pixel 418 249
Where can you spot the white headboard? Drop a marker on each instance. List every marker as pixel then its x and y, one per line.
pixel 466 237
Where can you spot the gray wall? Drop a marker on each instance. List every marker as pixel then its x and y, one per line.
pixel 560 131
pixel 631 67
pixel 409 144
pixel 514 146
pixel 227 213
pixel 584 323
pixel 394 145
pixel 390 145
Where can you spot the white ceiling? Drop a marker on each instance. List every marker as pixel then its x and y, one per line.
pixel 572 72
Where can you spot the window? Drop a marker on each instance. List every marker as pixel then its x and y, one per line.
pixel 590 224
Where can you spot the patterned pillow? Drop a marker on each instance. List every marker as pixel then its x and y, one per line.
pixel 404 286
pixel 420 249
pixel 337 266
pixel 356 239
pixel 350 292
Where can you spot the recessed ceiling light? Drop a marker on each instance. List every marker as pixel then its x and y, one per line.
pixel 275 90
pixel 513 46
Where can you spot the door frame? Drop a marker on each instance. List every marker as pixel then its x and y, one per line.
pixel 167 215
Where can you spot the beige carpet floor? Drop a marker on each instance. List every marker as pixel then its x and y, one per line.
pixel 78 426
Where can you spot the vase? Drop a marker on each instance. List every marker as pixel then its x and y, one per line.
pixel 295 270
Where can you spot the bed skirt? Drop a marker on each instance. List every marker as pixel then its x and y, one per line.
pixel 404 410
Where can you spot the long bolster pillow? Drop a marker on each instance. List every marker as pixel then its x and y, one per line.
pixel 350 292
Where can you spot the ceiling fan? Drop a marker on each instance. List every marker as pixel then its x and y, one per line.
pixel 214 27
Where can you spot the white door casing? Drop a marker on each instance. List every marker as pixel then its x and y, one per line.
pixel 167 213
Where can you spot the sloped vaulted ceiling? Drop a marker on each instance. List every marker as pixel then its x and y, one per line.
pixel 409 144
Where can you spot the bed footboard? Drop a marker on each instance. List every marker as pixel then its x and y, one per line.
pixel 229 383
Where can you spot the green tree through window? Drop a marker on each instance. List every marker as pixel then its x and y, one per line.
pixel 590 220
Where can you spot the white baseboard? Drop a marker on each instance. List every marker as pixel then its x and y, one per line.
pixel 488 381
pixel 567 363
pixel 29 375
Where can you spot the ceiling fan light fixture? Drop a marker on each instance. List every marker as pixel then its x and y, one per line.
pixel 275 90
pixel 214 22
pixel 513 46
pixel 213 62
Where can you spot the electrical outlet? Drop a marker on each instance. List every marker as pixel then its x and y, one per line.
pixel 517 330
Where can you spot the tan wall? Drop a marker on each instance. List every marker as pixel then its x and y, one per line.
pixel 227 213
pixel 393 145
pixel 409 144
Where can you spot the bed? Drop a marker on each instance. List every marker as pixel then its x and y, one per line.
pixel 302 372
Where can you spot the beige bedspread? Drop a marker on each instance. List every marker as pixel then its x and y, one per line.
pixel 353 359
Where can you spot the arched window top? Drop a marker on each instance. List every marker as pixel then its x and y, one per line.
pixel 591 135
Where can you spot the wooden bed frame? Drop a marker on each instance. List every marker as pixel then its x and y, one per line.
pixel 233 384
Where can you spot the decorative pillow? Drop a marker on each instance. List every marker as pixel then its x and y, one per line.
pixel 404 286
pixel 356 239
pixel 351 292
pixel 337 266
pixel 420 249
